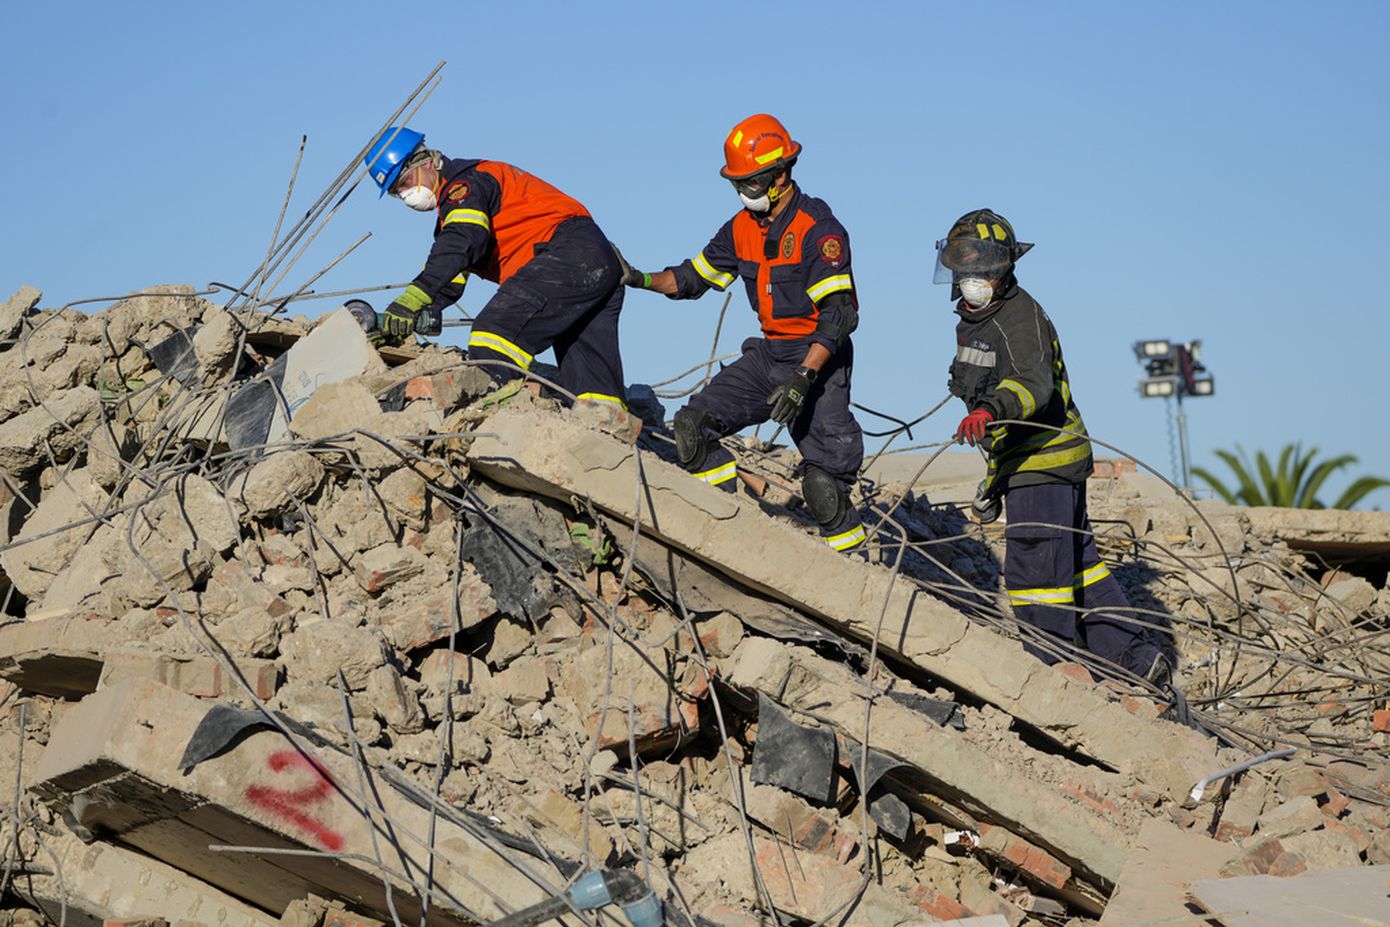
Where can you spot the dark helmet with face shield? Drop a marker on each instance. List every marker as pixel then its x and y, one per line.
pixel 980 244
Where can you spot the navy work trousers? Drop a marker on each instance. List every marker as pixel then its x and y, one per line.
pixel 568 297
pixel 1058 584
pixel 825 432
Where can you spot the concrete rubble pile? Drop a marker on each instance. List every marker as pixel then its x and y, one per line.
pixel 300 632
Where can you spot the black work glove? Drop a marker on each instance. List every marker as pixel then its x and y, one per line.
pixel 631 277
pixel 788 398
pixel 399 320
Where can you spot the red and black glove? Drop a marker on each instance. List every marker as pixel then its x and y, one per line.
pixel 971 429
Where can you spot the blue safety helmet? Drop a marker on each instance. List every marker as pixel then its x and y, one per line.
pixel 388 155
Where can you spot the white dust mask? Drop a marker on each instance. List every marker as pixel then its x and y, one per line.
pixel 421 198
pixel 977 292
pixel 761 204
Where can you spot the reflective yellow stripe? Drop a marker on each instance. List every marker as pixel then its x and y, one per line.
pixel 829 285
pixel 470 216
pixel 720 474
pixel 772 155
pixel 1091 575
pixel 1057 458
pixel 715 278
pixel 1024 396
pixel 848 539
pixel 501 345
pixel 602 397
pixel 461 278
pixel 1063 596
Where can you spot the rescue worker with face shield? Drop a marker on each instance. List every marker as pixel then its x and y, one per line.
pixel 794 258
pixel 1009 365
pixel 559 281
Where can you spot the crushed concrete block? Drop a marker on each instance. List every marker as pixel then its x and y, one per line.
pixel 510 639
pixel 662 717
pixel 720 635
pixel 806 885
pixel 279 481
pixel 393 703
pixel 14 310
pixel 1152 885
pixel 526 680
pixel 32 565
pixel 215 345
pixel 554 812
pixel 543 453
pixel 1324 849
pixel 177 537
pixel 448 388
pixel 419 621
pixel 317 650
pixel 406 494
pixel 62 423
pixel 112 763
pixel 1292 817
pixel 1242 808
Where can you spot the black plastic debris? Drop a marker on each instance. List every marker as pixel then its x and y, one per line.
pixel 891 812
pixel 789 756
pixel 943 712
pixel 174 356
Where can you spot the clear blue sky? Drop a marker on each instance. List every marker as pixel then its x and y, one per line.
pixel 1188 170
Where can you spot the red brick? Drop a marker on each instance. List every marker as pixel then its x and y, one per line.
pixel 1336 804
pixel 938 905
pixel 1075 671
pixel 1380 721
pixel 1035 861
pixel 1091 799
pixel 1257 860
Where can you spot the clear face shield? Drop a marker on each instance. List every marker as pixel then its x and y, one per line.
pixel 957 258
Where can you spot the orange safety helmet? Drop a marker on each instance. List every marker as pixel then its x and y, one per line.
pixel 757 144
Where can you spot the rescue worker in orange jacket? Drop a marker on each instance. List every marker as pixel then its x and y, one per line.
pixel 794 258
pixel 559 278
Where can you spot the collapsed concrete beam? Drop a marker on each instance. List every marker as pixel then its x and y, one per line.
pixel 528 448
pixel 103 882
pixel 112 764
pixel 957 769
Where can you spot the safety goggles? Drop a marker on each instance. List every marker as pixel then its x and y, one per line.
pixel 412 174
pixel 757 185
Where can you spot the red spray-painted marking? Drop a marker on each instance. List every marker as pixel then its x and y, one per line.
pixel 289 805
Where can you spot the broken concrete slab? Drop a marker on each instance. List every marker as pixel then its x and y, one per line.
pixel 111 763
pixel 960 771
pixel 523 447
pixel 105 882
pixel 1356 897
pixel 335 351
pixel 16 308
pixel 33 565
pixel 58 657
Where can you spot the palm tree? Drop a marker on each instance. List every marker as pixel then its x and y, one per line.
pixel 1293 483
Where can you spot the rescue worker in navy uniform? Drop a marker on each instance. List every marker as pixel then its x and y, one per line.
pixel 794 258
pixel 559 278
pixel 1009 366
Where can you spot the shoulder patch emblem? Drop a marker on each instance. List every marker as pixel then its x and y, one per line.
pixel 458 192
pixel 832 248
pixel 788 244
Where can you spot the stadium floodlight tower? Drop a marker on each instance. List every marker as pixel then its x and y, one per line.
pixel 1174 371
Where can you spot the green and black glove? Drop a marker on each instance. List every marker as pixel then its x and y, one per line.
pixel 399 319
pixel 788 398
pixel 631 276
